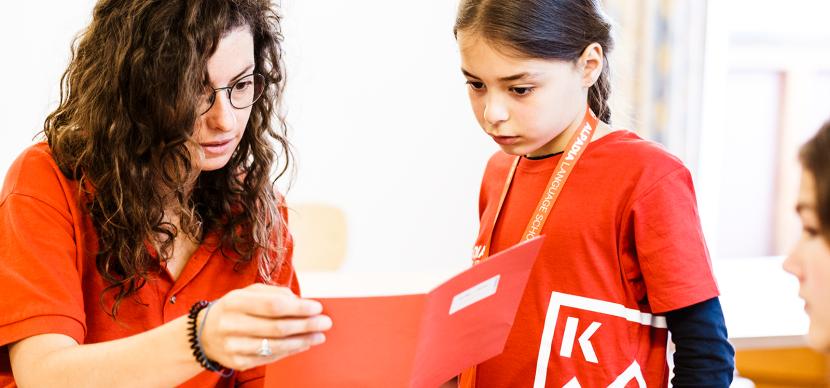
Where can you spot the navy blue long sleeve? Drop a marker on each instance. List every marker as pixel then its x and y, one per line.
pixel 703 357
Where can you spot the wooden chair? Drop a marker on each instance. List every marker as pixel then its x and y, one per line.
pixel 319 232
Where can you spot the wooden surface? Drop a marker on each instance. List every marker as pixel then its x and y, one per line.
pixel 780 368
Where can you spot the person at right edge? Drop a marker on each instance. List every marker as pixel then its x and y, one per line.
pixel 624 262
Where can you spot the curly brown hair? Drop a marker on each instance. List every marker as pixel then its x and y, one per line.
pixel 815 158
pixel 127 112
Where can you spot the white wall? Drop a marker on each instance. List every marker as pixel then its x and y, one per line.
pixel 376 103
pixel 383 129
pixel 765 95
pixel 34 49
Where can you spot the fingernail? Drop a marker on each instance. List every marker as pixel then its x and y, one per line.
pixel 322 322
pixel 313 307
pixel 318 338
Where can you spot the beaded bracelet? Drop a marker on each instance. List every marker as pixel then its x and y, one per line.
pixel 195 338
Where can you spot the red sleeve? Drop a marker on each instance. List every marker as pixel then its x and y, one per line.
pixel 39 278
pixel 670 246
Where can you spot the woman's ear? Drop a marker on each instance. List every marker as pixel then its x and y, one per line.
pixel 590 64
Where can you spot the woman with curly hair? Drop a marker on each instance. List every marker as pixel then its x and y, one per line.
pixel 152 196
pixel 810 260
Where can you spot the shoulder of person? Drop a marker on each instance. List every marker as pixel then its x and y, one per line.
pixel 643 164
pixel 641 155
pixel 646 151
pixel 35 173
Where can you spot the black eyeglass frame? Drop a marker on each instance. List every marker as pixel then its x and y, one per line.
pixel 211 97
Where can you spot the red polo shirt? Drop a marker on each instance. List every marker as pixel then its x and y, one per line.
pixel 49 282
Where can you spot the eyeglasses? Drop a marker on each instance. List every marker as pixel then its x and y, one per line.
pixel 242 94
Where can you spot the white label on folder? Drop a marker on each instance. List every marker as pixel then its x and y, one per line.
pixel 474 294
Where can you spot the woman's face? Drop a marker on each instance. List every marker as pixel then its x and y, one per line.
pixel 220 129
pixel 810 263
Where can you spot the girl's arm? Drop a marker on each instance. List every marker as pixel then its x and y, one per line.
pixel 162 356
pixel 703 357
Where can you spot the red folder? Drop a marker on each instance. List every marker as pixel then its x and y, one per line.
pixel 418 340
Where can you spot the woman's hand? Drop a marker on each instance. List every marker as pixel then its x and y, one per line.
pixel 233 332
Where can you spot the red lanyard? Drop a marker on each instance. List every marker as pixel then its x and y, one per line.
pixel 573 151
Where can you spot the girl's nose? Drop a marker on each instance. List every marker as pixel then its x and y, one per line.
pixel 221 115
pixel 495 112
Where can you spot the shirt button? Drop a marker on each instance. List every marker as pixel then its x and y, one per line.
pixel 173 299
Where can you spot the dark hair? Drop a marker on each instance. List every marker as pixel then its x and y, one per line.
pixel 547 29
pixel 815 158
pixel 127 112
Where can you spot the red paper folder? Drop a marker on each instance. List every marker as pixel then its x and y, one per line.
pixel 418 340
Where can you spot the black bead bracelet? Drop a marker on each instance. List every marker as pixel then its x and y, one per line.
pixel 196 340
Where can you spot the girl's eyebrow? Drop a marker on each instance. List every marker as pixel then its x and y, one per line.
pixel 514 77
pixel 800 207
pixel 468 74
pixel 238 75
pixel 520 76
pixel 247 69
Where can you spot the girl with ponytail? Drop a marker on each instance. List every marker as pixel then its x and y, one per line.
pixel 624 261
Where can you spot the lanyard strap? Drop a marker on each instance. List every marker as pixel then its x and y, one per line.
pixel 573 151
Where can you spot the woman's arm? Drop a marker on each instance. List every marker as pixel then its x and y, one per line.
pixel 703 357
pixel 231 335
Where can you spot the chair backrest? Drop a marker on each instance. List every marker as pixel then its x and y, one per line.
pixel 319 232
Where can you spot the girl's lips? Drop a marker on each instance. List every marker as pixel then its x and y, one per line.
pixel 216 147
pixel 506 140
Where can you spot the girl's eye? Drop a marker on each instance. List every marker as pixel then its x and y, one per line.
pixel 475 85
pixel 521 91
pixel 242 85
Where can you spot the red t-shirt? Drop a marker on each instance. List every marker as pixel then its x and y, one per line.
pixel 623 245
pixel 49 282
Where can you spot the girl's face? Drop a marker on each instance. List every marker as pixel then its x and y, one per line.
pixel 523 104
pixel 220 129
pixel 810 263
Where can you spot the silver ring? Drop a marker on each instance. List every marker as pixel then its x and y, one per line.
pixel 264 349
